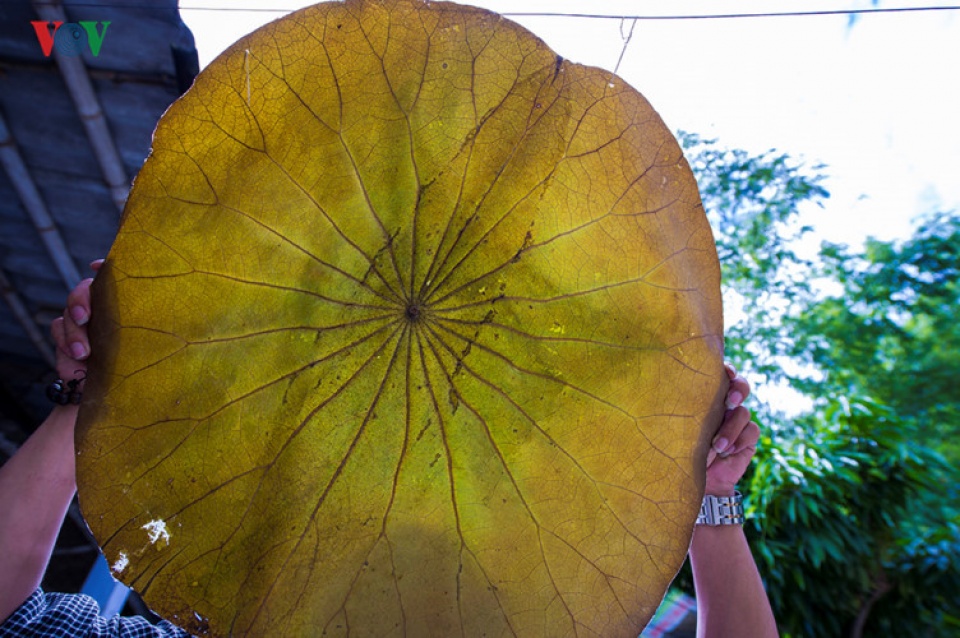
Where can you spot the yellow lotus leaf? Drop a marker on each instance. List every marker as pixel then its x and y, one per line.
pixel 412 328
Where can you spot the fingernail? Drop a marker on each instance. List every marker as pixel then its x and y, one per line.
pixel 79 315
pixel 734 399
pixel 78 351
pixel 720 445
pixel 731 371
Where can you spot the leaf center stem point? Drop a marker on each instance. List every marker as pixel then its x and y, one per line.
pixel 414 312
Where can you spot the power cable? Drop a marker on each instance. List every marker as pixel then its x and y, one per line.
pixel 538 14
pixel 722 16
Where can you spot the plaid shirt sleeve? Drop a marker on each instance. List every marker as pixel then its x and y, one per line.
pixel 67 615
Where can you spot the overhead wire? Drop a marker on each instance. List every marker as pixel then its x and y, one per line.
pixel 548 14
pixel 722 16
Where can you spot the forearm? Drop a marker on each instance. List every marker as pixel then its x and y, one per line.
pixel 36 487
pixel 731 600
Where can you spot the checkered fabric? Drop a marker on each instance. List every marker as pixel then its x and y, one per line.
pixel 674 609
pixel 75 615
pixel 67 615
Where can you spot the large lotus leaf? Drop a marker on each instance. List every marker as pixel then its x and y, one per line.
pixel 412 327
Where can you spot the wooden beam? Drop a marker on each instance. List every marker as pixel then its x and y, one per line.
pixel 36 208
pixel 23 317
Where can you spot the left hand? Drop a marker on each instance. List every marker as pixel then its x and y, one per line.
pixel 734 443
pixel 70 331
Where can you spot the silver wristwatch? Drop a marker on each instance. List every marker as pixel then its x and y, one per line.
pixel 721 510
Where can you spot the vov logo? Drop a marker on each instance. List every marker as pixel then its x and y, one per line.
pixel 70 38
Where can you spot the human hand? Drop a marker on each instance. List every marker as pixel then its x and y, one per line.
pixel 70 331
pixel 735 441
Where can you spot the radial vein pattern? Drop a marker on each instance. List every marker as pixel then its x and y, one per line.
pixel 412 327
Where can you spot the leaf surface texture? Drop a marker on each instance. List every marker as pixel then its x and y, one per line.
pixel 411 328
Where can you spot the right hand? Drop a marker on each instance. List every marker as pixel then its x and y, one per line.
pixel 70 331
pixel 734 443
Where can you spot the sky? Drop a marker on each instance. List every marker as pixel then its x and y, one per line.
pixel 875 100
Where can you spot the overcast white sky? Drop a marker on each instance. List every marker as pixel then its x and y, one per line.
pixel 877 102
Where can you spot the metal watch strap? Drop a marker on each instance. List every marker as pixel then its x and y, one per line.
pixel 721 510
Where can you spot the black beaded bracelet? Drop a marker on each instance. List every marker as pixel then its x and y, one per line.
pixel 65 392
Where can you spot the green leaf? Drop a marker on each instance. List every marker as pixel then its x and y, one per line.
pixel 411 327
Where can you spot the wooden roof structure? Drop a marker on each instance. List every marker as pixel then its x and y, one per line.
pixel 75 126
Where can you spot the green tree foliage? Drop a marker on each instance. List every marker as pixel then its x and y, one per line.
pixel 902 298
pixel 853 508
pixel 752 203
pixel 850 528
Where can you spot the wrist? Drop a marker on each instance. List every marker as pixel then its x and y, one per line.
pixel 64 415
pixel 718 488
pixel 69 408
